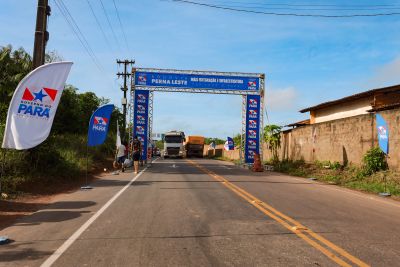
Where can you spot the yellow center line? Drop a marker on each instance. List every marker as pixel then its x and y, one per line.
pixel 300 230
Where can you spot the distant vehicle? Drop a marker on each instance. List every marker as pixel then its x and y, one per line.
pixel 173 144
pixel 194 146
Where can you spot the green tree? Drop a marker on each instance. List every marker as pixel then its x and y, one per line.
pixel 237 140
pixel 217 141
pixel 272 136
pixel 14 65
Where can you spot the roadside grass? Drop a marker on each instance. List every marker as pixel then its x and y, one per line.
pixel 56 164
pixel 350 176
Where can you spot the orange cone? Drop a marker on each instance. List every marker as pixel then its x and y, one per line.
pixel 257 167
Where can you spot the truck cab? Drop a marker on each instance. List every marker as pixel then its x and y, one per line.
pixel 173 144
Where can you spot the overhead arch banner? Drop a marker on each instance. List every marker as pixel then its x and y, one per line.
pixel 222 81
pixel 34 104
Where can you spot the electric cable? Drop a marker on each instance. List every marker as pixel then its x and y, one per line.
pixel 122 27
pixel 283 14
pixel 99 25
pixel 109 24
pixel 74 30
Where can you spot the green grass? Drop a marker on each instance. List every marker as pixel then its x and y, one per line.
pixel 351 177
pixel 61 159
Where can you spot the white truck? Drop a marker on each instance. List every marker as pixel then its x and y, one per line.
pixel 174 144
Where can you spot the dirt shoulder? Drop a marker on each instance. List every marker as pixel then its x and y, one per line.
pixel 36 197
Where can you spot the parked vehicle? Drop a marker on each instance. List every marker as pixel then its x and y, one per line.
pixel 173 144
pixel 194 146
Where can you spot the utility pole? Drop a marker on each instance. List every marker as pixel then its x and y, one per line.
pixel 41 33
pixel 124 89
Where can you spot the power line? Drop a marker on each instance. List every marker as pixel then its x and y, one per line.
pixel 304 5
pixel 122 27
pixel 222 7
pixel 74 27
pixel 109 24
pixel 99 24
pixel 275 7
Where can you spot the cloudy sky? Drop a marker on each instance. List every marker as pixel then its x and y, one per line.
pixel 307 60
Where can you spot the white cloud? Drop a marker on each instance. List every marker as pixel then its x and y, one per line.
pixel 388 74
pixel 281 99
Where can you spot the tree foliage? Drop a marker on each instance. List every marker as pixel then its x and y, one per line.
pixel 374 160
pixel 74 109
pixel 14 65
pixel 272 136
pixel 217 141
pixel 237 140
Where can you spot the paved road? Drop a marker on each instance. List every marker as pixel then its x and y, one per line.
pixel 207 213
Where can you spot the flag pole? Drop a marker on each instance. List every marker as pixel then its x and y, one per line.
pixel 87 187
pixel 385 193
pixel 3 239
pixel 3 162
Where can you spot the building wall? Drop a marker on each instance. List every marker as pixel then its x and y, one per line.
pixel 343 140
pixel 348 109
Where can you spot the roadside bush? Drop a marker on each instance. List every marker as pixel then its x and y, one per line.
pixel 327 164
pixel 374 160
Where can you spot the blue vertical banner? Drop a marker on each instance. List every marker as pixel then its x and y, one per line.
pixel 229 144
pixel 383 133
pixel 141 119
pixel 252 146
pixel 98 125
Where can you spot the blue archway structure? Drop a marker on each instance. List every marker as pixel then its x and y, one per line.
pixel 251 86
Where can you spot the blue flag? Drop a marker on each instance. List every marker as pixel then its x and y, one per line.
pixel 229 144
pixel 383 133
pixel 98 125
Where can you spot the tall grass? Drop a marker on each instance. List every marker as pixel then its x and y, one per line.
pixel 60 159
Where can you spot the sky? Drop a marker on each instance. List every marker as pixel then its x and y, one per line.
pixel 306 60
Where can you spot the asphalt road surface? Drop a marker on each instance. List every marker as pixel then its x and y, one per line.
pixel 207 213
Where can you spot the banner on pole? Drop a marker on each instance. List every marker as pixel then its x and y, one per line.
pixel 229 144
pixel 253 107
pixel 34 105
pixel 383 133
pixel 141 119
pixel 98 125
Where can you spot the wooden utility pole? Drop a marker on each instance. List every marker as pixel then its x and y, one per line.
pixel 41 33
pixel 124 89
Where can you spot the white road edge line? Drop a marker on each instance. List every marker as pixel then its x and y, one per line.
pixel 49 262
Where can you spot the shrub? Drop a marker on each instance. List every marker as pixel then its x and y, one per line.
pixel 374 160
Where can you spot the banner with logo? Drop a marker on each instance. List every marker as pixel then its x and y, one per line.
pixel 253 107
pixel 98 125
pixel 229 144
pixel 141 119
pixel 196 79
pixel 34 105
pixel 383 133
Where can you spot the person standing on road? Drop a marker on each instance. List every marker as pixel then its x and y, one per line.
pixel 121 156
pixel 136 153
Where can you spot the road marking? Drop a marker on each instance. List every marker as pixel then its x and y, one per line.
pixel 312 238
pixel 49 262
